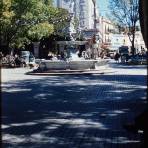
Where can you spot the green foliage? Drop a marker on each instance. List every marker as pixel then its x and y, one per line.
pixel 20 19
pixel 76 23
pixel 40 30
pixel 20 42
pixel 60 20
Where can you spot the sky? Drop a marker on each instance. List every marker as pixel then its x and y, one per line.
pixel 103 6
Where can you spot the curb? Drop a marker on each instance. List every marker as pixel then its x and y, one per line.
pixel 76 72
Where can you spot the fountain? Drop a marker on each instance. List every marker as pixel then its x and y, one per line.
pixel 72 60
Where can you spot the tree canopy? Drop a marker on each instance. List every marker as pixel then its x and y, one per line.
pixel 22 21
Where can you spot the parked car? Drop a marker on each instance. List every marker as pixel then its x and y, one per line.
pixel 124 50
pixel 137 59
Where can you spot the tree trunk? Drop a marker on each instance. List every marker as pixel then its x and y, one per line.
pixel 133 51
pixel 144 23
pixel 8 51
pixel 144 19
pixel 8 44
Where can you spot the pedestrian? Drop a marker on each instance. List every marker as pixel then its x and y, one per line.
pixel 117 56
pixel 127 58
pixel 17 60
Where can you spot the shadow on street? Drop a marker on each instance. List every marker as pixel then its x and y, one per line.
pixel 72 111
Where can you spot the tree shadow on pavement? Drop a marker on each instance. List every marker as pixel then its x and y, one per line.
pixel 72 111
pixel 126 66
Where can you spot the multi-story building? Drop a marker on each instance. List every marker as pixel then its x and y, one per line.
pixel 85 11
pixel 118 40
pixel 86 14
pixel 107 28
pixel 139 42
pixel 66 4
pixel 122 39
pixel 113 39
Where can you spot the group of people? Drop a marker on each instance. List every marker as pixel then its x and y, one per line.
pixel 61 56
pixel 10 60
pixel 125 57
pixel 65 54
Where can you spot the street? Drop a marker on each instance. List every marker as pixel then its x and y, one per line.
pixel 72 111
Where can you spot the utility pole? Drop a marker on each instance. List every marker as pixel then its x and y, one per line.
pixel 95 16
pixel 95 20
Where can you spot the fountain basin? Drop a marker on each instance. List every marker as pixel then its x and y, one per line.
pixel 83 64
pixel 71 65
pixel 53 65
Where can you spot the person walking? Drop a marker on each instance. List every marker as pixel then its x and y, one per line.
pixel 117 56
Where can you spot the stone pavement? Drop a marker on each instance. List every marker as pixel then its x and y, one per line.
pixel 72 111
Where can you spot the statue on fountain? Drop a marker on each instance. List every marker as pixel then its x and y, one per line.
pixel 71 26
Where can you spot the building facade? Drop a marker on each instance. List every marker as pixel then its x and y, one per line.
pixel 118 40
pixel 85 11
pixel 107 28
pixel 86 14
pixel 112 39
pixel 139 41
pixel 66 4
pixel 122 39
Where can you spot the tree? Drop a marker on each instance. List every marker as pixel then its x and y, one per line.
pixel 22 21
pixel 126 15
pixel 60 20
pixel 40 30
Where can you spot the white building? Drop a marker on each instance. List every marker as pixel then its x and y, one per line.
pixel 112 39
pixel 139 42
pixel 119 40
pixel 106 29
pixel 84 11
pixel 66 4
pixel 86 14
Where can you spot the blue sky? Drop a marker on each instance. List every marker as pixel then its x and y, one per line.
pixel 103 6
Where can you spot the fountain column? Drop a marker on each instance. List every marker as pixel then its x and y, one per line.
pixel 36 49
pixel 71 26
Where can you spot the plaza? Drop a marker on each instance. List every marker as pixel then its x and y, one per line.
pixel 72 111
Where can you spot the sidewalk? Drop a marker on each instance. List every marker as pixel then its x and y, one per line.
pixel 72 111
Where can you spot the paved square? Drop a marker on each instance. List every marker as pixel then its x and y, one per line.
pixel 72 111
